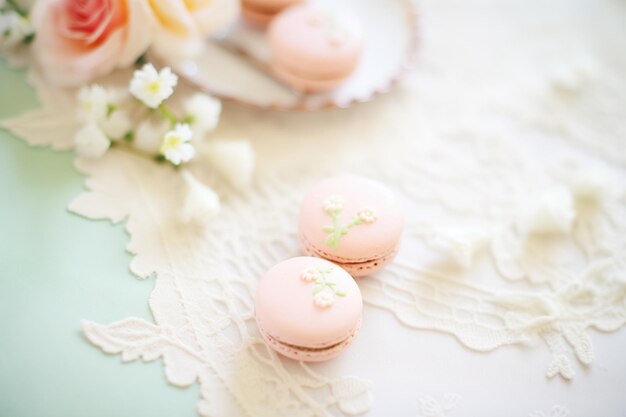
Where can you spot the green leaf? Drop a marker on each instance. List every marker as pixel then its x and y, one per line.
pixel 340 293
pixel 317 288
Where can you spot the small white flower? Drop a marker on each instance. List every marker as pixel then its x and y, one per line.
pixel 152 87
pixel 175 147
pixel 367 215
pixel 91 142
pixel 324 299
pixel 334 204
pixel 204 113
pixel 93 103
pixel 14 28
pixel 234 159
pixel 201 202
pixel 117 124
pixel 149 135
pixel 310 275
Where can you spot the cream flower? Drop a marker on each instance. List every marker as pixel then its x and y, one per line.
pixel 201 202
pixel 334 204
pixel 367 215
pixel 149 135
pixel 324 299
pixel 310 275
pixel 152 87
pixel 203 112
pixel 14 28
pixel 117 124
pixel 91 142
pixel 175 147
pixel 552 212
pixel 233 159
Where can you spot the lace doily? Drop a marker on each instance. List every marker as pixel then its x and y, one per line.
pixel 469 143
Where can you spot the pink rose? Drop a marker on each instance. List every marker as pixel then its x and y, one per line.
pixel 79 40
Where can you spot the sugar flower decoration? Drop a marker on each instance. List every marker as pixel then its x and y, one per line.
pixel 152 87
pixel 367 215
pixel 333 207
pixel 310 275
pixel 176 147
pixel 333 204
pixel 324 299
pixel 201 202
pixel 91 142
pixel 203 113
pixel 553 212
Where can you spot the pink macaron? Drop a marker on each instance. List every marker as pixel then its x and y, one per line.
pixel 352 221
pixel 308 309
pixel 261 12
pixel 314 49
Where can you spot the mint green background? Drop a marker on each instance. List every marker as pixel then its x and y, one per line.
pixel 56 269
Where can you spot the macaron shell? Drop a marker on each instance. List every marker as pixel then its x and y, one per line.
pixel 256 18
pixel 309 355
pixel 269 6
pixel 286 308
pixel 305 85
pixel 356 269
pixel 307 39
pixel 363 242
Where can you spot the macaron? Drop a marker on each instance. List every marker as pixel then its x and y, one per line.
pixel 261 12
pixel 352 221
pixel 308 309
pixel 314 49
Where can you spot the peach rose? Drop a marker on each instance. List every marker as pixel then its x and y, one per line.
pixel 79 40
pixel 183 24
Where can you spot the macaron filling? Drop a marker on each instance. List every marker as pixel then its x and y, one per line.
pixel 320 349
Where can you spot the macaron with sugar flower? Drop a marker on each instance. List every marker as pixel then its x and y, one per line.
pixel 313 49
pixel 308 309
pixel 352 221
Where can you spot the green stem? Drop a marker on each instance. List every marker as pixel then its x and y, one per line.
pixel 17 8
pixel 168 114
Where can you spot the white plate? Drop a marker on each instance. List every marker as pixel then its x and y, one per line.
pixel 235 68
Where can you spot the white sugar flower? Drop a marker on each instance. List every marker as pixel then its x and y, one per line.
pixel 552 213
pixel 234 159
pixel 310 275
pixel 367 215
pixel 91 142
pixel 152 87
pixel 201 202
pixel 149 135
pixel 93 103
pixel 334 204
pixel 203 112
pixel 14 28
pixel 117 124
pixel 324 299
pixel 175 147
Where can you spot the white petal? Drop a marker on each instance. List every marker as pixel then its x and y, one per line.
pixel 149 135
pixel 201 202
pixel 205 112
pixel 233 159
pixel 117 124
pixel 553 212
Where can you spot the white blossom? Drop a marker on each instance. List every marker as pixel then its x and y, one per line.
pixel 552 212
pixel 201 202
pixel 459 244
pixel 367 215
pixel 333 204
pixel 117 124
pixel 176 147
pixel 93 103
pixel 14 28
pixel 310 275
pixel 152 87
pixel 203 112
pixel 233 159
pixel 324 299
pixel 91 142
pixel 148 136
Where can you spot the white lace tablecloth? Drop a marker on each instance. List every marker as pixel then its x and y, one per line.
pixel 513 122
